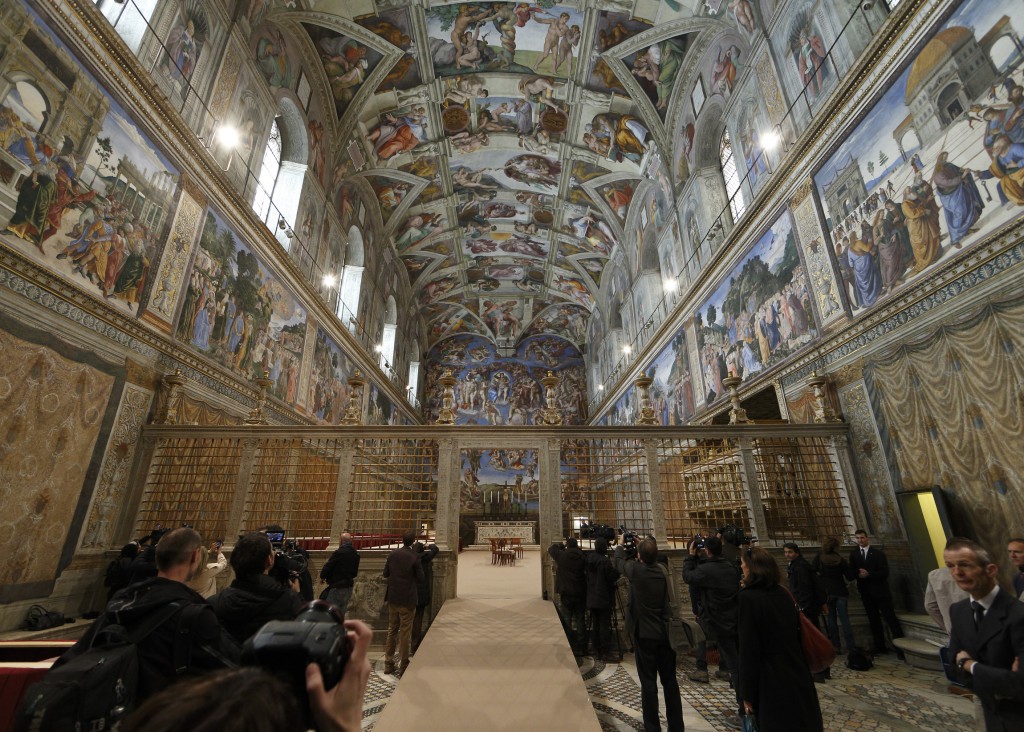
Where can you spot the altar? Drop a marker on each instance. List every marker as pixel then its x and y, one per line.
pixel 524 530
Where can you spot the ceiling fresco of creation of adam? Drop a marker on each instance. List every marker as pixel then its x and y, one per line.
pixel 504 144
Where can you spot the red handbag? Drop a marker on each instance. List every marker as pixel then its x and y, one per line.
pixel 818 649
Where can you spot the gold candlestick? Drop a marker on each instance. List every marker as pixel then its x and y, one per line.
pixel 354 413
pixel 447 413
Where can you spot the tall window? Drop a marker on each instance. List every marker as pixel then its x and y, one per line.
pixel 731 176
pixel 351 280
pixel 130 19
pixel 387 338
pixel 270 169
pixel 413 387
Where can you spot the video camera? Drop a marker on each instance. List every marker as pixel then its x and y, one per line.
pixel 630 542
pixel 698 542
pixel 735 536
pixel 289 562
pixel 286 647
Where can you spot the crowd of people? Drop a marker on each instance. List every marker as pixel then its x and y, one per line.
pixel 743 607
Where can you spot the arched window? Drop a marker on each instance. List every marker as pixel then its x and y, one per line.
pixel 351 279
pixel 387 338
pixel 413 387
pixel 282 173
pixel 130 19
pixel 731 176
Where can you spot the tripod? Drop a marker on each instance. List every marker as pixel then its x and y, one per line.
pixel 619 630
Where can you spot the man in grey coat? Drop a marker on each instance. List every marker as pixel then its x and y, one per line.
pixel 403 571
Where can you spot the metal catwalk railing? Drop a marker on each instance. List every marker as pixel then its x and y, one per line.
pixel 776 482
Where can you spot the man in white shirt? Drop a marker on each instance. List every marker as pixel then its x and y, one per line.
pixel 987 636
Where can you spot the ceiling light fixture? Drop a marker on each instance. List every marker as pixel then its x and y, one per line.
pixel 227 135
pixel 771 140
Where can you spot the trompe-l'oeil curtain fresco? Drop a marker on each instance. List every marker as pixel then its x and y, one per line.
pixel 954 407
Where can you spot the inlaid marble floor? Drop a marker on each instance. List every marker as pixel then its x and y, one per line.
pixel 891 697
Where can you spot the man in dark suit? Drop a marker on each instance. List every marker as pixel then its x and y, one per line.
pixel 871 570
pixel 340 573
pixel 403 571
pixel 987 637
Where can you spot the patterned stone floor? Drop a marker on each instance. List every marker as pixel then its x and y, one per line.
pixel 891 697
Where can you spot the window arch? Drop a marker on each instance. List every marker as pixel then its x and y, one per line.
pixel 351 279
pixel 282 173
pixel 732 178
pixel 388 336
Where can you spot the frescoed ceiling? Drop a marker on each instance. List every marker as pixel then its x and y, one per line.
pixel 502 142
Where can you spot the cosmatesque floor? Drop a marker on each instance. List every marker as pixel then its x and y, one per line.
pixel 468 676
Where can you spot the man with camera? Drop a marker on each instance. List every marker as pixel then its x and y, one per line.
pixel 255 597
pixel 571 585
pixel 648 610
pixel 206 645
pixel 717 583
pixel 340 573
pixel 601 577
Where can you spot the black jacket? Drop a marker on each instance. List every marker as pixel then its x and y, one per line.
pixel 210 648
pixel 877 582
pixel 834 572
pixel 404 572
pixel 648 597
pixel 342 568
pixel 717 583
pixel 570 580
pixel 773 672
pixel 248 603
pixel 994 645
pixel 803 585
pixel 425 586
pixel 600 577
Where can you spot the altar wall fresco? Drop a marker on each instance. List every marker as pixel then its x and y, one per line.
pixel 498 390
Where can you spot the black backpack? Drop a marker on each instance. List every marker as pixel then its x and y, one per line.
pixel 98 688
pixel 858 660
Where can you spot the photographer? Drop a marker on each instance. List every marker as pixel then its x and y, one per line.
pixel 571 585
pixel 254 597
pixel 290 559
pixel 252 699
pixel 717 582
pixel 648 608
pixel 601 577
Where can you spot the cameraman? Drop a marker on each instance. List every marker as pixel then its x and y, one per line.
pixel 571 585
pixel 290 558
pixel 717 582
pixel 255 598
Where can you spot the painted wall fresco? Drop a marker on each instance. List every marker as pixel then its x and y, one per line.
pixel 346 61
pixel 184 43
pixel 382 410
pixel 274 57
pixel 85 193
pixel 499 482
pixel 521 37
pixel 498 390
pixel 329 392
pixel 236 312
pixel 673 394
pixel 399 131
pixel 930 171
pixel 759 315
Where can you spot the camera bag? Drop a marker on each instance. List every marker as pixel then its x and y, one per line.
pixel 39 618
pixel 97 689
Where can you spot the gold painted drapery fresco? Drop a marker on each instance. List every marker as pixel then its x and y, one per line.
pixel 954 406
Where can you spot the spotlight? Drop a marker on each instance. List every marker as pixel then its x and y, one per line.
pixel 671 285
pixel 330 280
pixel 227 135
pixel 281 223
pixel 600 387
pixel 627 349
pixel 771 140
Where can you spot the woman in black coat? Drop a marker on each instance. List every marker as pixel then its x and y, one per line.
pixel 775 682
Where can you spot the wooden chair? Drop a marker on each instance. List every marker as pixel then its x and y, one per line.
pixel 517 547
